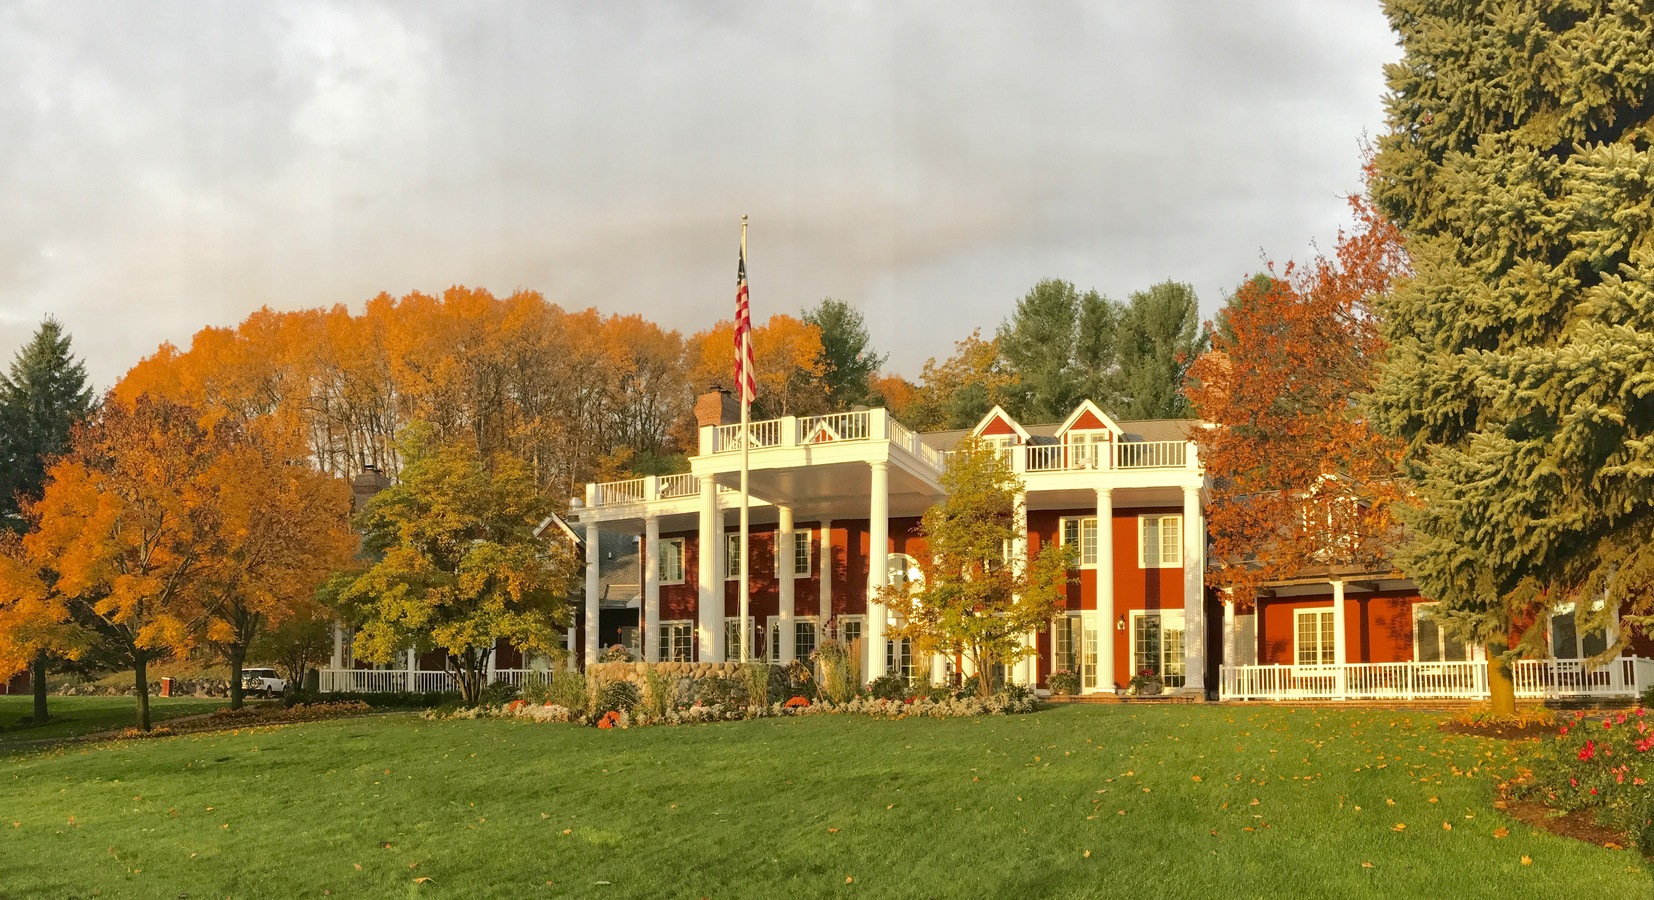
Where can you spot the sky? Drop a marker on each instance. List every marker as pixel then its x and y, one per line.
pixel 166 167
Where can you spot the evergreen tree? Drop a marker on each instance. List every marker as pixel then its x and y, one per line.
pixel 1159 338
pixel 1057 344
pixel 42 397
pixel 1521 371
pixel 847 358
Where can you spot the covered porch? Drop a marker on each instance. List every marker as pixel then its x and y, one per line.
pixel 1536 679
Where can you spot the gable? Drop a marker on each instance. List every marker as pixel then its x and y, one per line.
pixel 1088 421
pixel 1087 417
pixel 997 426
pixel 999 423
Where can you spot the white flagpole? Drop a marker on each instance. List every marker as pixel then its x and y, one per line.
pixel 746 440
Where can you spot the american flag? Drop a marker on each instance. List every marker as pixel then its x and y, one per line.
pixel 744 380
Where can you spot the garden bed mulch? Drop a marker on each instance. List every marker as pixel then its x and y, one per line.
pixel 1529 732
pixel 1580 825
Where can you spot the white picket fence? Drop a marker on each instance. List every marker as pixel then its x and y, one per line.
pixel 420 681
pixel 1535 679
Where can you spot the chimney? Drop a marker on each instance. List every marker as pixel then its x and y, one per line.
pixel 717 407
pixel 362 488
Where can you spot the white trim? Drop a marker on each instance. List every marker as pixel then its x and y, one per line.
pixel 1168 619
pixel 801 537
pixel 1325 653
pixel 682 568
pixel 1087 405
pixel 688 639
pixel 998 412
pixel 1079 556
pixel 731 573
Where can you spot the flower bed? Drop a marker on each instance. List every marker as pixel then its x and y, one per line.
pixel 1601 764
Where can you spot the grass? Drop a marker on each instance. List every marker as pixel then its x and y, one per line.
pixel 1079 801
pixel 73 716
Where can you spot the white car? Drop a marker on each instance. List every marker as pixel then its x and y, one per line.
pixel 263 681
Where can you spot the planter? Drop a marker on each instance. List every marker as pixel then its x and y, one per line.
pixel 1147 689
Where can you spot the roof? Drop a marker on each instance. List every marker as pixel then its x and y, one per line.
pixel 1141 430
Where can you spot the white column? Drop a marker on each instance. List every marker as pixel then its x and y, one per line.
pixel 594 554
pixel 1105 590
pixel 709 601
pixel 493 663
pixel 568 644
pixel 1026 670
pixel 338 661
pixel 1339 650
pixel 878 565
pixel 824 609
pixel 784 565
pixel 1194 593
pixel 1229 658
pixel 650 620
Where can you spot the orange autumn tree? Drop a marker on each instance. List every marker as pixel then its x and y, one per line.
pixel 1307 484
pixel 786 354
pixel 284 528
pixel 128 525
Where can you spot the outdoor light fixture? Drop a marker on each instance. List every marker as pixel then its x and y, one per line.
pixel 1120 623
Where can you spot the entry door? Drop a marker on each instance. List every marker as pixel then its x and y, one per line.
pixel 1157 645
pixel 1088 654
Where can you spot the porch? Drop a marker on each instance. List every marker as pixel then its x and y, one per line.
pixel 1549 679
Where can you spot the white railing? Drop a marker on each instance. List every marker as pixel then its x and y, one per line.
pixel 422 681
pixel 1535 678
pixel 684 485
pixel 1150 454
pixel 902 437
pixel 614 493
pixel 850 426
pixel 759 435
pixel 1087 457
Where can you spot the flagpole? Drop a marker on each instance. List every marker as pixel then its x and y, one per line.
pixel 746 513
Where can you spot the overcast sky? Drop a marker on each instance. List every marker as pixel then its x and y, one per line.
pixel 164 167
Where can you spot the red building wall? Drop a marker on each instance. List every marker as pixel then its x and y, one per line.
pixel 1378 626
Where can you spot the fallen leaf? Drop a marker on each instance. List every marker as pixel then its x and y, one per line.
pixel 423 879
pixel 1501 832
pixel 1366 865
pixel 848 879
pixel 1400 826
pixel 1527 860
pixel 1447 826
pixel 358 866
pixel 1088 854
pixel 568 831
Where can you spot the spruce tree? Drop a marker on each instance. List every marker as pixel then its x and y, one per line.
pixel 41 398
pixel 848 362
pixel 1521 364
pixel 1159 338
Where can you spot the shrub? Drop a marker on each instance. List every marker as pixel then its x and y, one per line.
pixel 1063 681
pixel 386 700
pixel 499 693
pixel 840 671
pixel 716 690
pixel 1648 697
pixel 565 689
pixel 800 680
pixel 1602 764
pixel 757 683
pixel 1524 717
pixel 617 697
pixel 660 692
pixel 893 686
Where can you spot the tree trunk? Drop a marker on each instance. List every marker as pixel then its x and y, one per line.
pixel 1501 688
pixel 37 681
pixel 238 659
pixel 140 668
pixel 984 675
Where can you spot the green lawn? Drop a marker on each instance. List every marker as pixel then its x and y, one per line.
pixel 1078 801
pixel 85 715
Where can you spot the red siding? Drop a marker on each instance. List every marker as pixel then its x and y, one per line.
pixel 1087 420
pixel 999 425
pixel 1378 627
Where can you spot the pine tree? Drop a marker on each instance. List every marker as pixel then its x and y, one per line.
pixel 1521 369
pixel 1059 345
pixel 42 397
pixel 1159 338
pixel 848 362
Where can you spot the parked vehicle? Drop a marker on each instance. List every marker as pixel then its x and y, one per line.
pixel 263 681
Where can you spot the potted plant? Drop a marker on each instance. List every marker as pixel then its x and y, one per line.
pixel 1063 681
pixel 1146 683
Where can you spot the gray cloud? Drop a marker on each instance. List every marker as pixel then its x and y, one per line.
pixel 168 167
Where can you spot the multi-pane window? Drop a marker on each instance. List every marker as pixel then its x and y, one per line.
pixel 1157 646
pixel 677 640
pixel 1082 532
pixel 849 629
pixel 1315 644
pixel 670 562
pixel 804 638
pixel 898 658
pixel 1065 643
pixel 902 571
pixel 1160 542
pixel 1566 640
pixel 732 556
pixel 1087 449
pixel 799 561
pixel 1430 640
pixel 732 641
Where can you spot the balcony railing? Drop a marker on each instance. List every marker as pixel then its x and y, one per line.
pixel 1102 456
pixel 1467 680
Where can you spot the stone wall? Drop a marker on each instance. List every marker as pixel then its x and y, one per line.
pixel 633 672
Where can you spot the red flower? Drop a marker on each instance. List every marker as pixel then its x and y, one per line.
pixel 1589 751
pixel 1563 731
pixel 1593 791
pixel 798 702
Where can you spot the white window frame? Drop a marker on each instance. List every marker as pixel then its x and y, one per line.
pixel 1171 661
pixel 732 556
pixel 1087 447
pixel 732 639
pixel 672 631
pixel 802 540
pixel 661 558
pixel 1159 560
pixel 1425 611
pixel 1066 628
pixel 1326 644
pixel 1568 609
pixel 773 636
pixel 858 620
pixel 1082 523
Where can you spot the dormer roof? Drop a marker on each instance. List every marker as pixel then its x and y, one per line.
pixel 1088 417
pixel 999 415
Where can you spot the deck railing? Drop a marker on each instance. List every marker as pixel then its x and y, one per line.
pixel 1089 457
pixel 1467 680
pixel 420 681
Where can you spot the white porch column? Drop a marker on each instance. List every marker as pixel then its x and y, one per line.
pixel 1339 650
pixel 1105 589
pixel 1194 593
pixel 878 565
pixel 824 611
pixel 338 660
pixel 1026 670
pixel 493 663
pixel 569 644
pixel 709 601
pixel 1229 636
pixel 784 567
pixel 594 554
pixel 650 620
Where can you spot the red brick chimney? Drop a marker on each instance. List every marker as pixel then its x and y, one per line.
pixel 717 407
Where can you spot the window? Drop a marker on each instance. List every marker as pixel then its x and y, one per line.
pixel 669 569
pixel 732 556
pixel 1430 641
pixel 804 638
pixel 800 557
pixel 1567 642
pixel 1315 637
pixel 898 658
pixel 1160 542
pixel 849 629
pixel 1083 533
pixel 903 572
pixel 1088 449
pixel 732 641
pixel 677 640
pixel 1157 645
pixel 1088 660
pixel 1065 643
